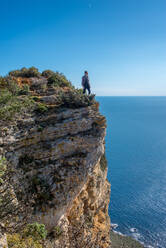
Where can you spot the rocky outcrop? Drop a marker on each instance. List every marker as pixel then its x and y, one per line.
pixel 3 241
pixel 61 174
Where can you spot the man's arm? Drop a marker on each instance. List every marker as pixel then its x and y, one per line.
pixel 83 81
pixel 88 82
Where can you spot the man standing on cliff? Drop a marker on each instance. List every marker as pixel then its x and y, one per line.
pixel 85 83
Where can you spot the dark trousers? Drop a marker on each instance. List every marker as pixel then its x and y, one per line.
pixel 86 88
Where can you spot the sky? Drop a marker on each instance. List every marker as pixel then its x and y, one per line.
pixel 122 43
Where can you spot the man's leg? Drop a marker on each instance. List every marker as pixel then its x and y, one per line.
pixel 89 91
pixel 84 89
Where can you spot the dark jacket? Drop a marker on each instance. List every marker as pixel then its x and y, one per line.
pixel 85 81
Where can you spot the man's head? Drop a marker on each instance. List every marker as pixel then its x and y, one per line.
pixel 86 73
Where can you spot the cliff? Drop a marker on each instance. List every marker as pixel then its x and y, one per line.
pixel 53 150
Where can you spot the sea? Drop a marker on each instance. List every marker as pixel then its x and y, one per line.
pixel 136 155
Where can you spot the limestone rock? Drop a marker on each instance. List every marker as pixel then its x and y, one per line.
pixel 3 241
pixel 60 176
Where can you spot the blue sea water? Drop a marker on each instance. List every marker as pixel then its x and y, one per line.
pixel 136 154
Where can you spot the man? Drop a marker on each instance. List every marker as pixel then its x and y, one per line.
pixel 85 83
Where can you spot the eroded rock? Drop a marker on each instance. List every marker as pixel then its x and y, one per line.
pixel 60 179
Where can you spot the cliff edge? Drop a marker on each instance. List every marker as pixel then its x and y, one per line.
pixel 53 167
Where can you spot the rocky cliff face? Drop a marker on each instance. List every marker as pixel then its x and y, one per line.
pixel 61 172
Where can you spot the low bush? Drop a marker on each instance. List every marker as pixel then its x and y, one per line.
pixel 5 96
pixel 25 72
pixel 58 80
pixel 41 108
pixel 17 241
pixel 11 85
pixel 57 231
pixel 36 231
pixel 75 99
pixel 48 73
pixel 25 90
pixel 3 82
pixel 11 105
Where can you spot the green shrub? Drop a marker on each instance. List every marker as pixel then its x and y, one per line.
pixel 5 96
pixel 3 82
pixel 25 90
pixel 41 108
pixel 58 80
pixel 17 241
pixel 48 73
pixel 11 105
pixel 25 72
pixel 8 83
pixel 36 231
pixel 33 72
pixel 15 73
pixel 35 98
pixel 40 128
pixel 57 231
pixel 79 91
pixel 14 88
pixel 11 85
pixel 75 99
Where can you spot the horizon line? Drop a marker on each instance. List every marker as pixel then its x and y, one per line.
pixel 130 96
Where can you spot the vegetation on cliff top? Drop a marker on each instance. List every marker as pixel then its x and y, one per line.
pixel 21 91
pixel 25 72
pixel 119 241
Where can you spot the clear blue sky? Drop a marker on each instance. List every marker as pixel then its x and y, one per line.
pixel 122 43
